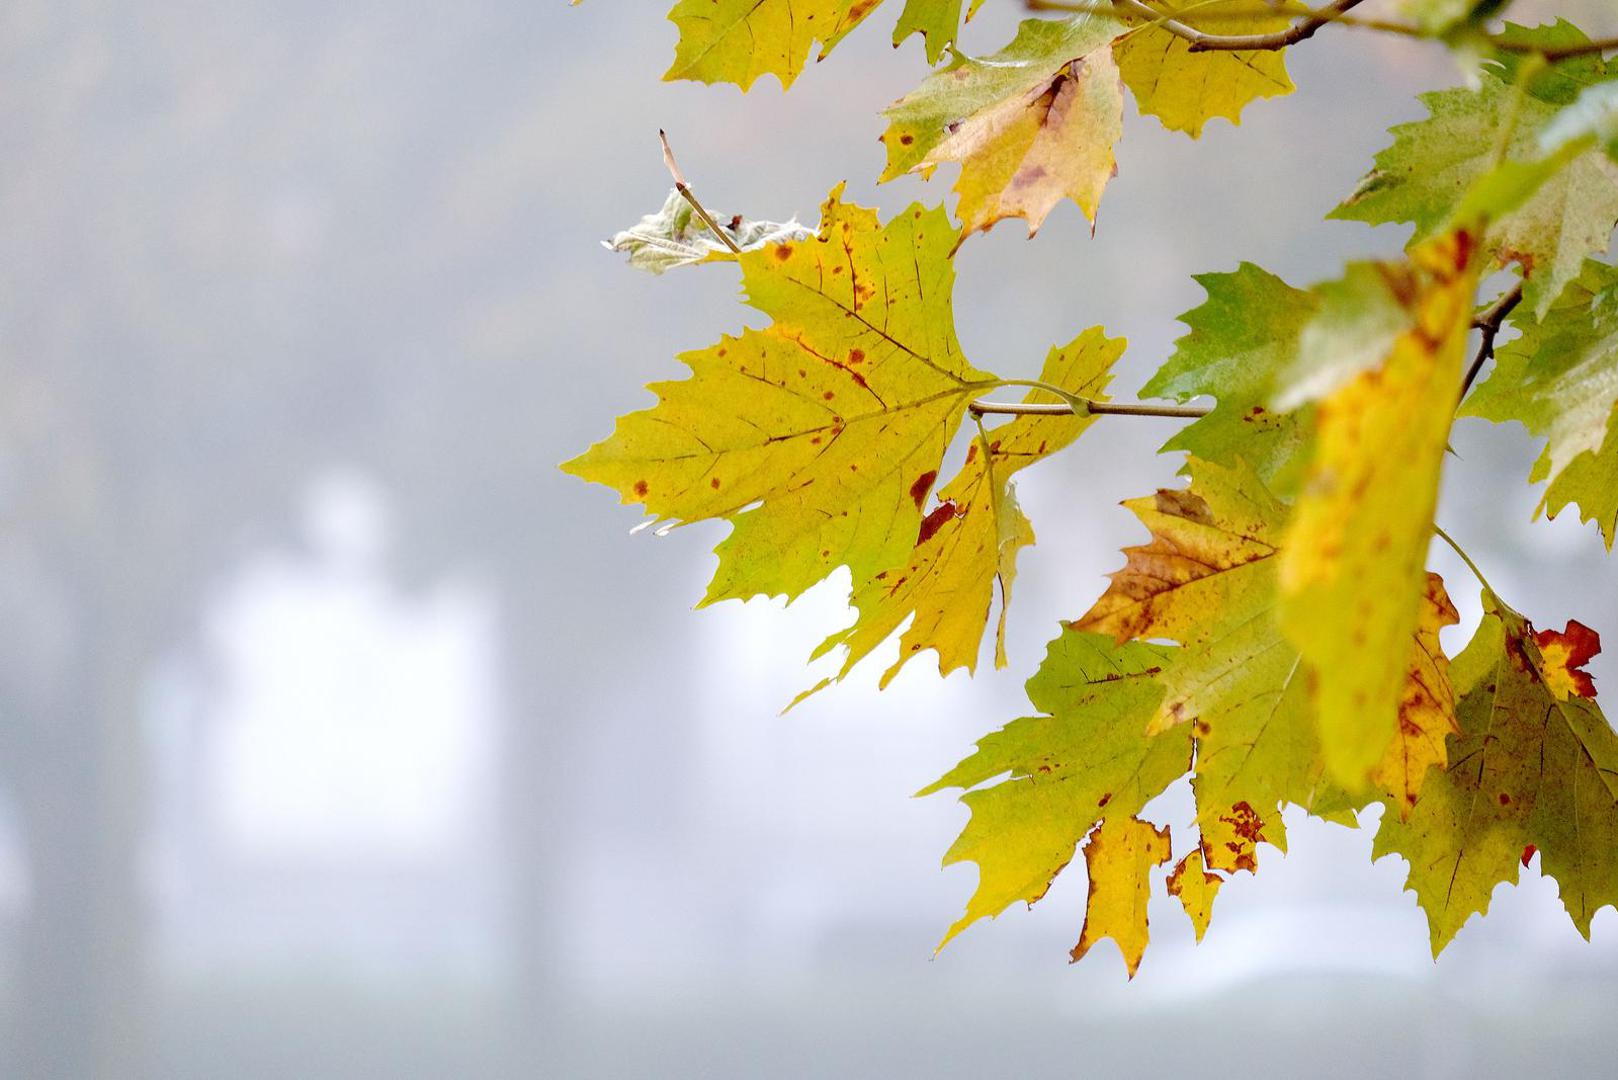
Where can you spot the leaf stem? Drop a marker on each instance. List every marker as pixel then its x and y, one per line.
pixel 1077 405
pixel 690 196
pixel 1465 558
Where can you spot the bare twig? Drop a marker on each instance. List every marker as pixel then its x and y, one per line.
pixel 1280 39
pixel 684 189
pixel 1489 320
pixel 1310 21
pixel 1092 408
pixel 1562 52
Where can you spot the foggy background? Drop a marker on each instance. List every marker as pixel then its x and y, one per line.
pixel 343 736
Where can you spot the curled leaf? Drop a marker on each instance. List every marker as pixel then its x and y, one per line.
pixel 676 236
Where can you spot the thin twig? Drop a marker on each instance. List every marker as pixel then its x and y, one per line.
pixel 1241 14
pixel 1563 52
pixel 1489 320
pixel 1310 21
pixel 684 189
pixel 1302 29
pixel 1091 408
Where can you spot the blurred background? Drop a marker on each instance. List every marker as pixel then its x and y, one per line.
pixel 343 736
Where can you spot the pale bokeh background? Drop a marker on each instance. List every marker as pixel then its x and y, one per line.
pixel 343 736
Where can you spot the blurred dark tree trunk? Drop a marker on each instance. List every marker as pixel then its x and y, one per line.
pixel 81 996
pixel 535 783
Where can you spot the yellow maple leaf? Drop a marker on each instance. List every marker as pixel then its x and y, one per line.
pixel 971 538
pixel 1352 569
pixel 1022 158
pixel 820 436
pixel 1120 856
pixel 1231 836
pixel 1196 888
pixel 1086 757
pixel 1029 125
pixel 1426 706
pixel 737 41
pixel 1186 89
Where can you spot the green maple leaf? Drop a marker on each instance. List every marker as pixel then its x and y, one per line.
pixel 1533 768
pixel 1425 175
pixel 1088 757
pixel 938 21
pixel 1556 84
pixel 818 437
pixel 971 538
pixel 1241 338
pixel 1560 381
pixel 1590 482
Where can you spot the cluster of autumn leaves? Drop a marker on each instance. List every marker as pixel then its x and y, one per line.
pixel 1277 637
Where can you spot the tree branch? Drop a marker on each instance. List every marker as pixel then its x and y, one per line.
pixel 1489 320
pixel 1280 39
pixel 1310 21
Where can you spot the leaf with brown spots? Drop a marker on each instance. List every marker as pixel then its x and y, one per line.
pixel 1426 706
pixel 1533 768
pixel 1086 757
pixel 1196 888
pixel 1030 125
pixel 1208 579
pixel 809 436
pixel 1353 571
pixel 1120 856
pixel 972 537
pixel 1230 837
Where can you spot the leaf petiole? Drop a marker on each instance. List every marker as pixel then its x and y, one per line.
pixel 1465 558
pixel 1079 406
